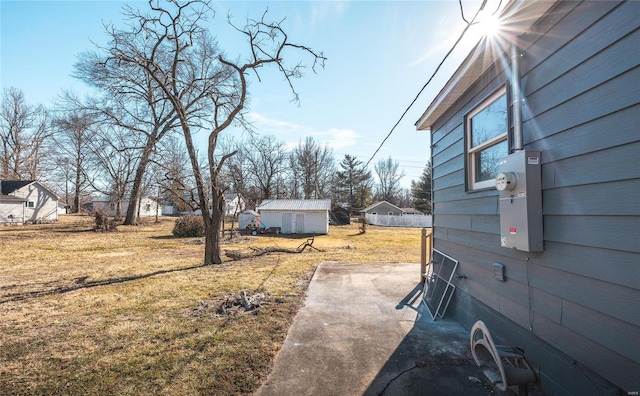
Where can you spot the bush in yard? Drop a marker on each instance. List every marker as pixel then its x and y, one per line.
pixel 189 226
pixel 103 223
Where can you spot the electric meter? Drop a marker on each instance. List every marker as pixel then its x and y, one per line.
pixel 506 181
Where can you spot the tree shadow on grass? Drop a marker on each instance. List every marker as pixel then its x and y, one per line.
pixel 80 283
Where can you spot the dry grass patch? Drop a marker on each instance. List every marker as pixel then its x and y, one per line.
pixel 131 311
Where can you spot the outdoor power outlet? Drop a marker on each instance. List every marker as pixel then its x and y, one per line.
pixel 519 182
pixel 498 272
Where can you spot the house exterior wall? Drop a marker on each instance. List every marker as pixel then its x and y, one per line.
pixel 148 207
pixel 233 205
pixel 313 222
pixel 573 307
pixel 45 205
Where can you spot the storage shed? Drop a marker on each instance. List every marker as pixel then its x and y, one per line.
pixel 296 216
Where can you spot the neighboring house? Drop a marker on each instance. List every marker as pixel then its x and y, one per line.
pixel 148 206
pixel 384 213
pixel 25 201
pixel 411 212
pixel 296 216
pixel 383 208
pixel 563 82
pixel 234 204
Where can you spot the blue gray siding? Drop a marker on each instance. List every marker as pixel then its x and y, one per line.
pixel 575 307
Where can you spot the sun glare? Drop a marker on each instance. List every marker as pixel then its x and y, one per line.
pixel 489 25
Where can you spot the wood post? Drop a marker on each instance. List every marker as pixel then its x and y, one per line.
pixel 426 243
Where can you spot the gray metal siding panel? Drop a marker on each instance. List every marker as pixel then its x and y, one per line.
pixel 450 180
pixel 453 165
pixel 620 303
pixel 605 99
pixel 448 140
pixel 559 28
pixel 615 129
pixel 620 370
pixel 482 205
pixel 457 193
pixel 615 164
pixel 542 68
pixel 607 232
pixel 612 266
pixel 619 336
pixel 595 199
pixel 450 152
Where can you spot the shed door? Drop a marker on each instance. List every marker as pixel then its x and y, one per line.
pixel 286 223
pixel 300 223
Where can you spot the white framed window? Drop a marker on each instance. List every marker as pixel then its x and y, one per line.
pixel 486 135
pixel 29 204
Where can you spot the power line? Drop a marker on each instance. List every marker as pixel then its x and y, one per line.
pixel 464 31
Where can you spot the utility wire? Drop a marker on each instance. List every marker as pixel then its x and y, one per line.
pixel 432 76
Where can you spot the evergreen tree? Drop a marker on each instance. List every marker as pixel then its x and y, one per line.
pixel 352 181
pixel 421 191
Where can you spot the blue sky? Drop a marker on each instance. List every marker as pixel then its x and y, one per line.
pixel 380 54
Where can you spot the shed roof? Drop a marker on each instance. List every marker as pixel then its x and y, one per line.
pixel 296 204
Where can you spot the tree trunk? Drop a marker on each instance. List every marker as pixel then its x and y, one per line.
pixel 76 197
pixel 132 211
pixel 212 226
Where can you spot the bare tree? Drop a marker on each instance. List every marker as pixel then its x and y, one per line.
pixel 313 168
pixel 175 177
pixel 389 177
pixel 236 172
pixel 113 163
pixel 24 134
pixel 73 139
pixel 207 90
pixel 266 160
pixel 131 97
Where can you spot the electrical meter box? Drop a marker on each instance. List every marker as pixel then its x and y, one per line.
pixel 519 182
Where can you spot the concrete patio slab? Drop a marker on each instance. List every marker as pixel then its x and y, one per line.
pixel 364 331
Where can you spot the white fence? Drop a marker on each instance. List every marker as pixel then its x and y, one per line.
pixel 400 221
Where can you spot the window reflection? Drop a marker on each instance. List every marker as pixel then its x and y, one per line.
pixel 487 161
pixel 490 122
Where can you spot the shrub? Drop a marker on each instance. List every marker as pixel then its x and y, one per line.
pixel 103 223
pixel 189 226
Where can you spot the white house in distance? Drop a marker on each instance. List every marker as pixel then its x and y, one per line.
pixel 296 216
pixel 233 204
pixel 148 206
pixel 24 201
